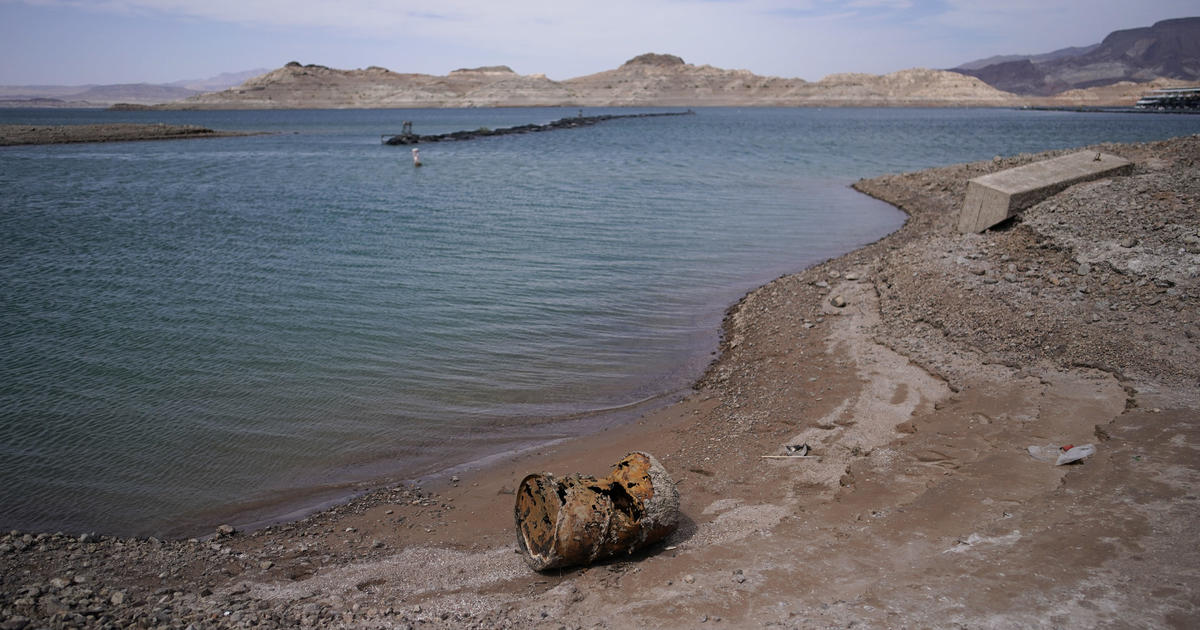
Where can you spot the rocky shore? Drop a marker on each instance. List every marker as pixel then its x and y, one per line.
pixel 917 370
pixel 110 132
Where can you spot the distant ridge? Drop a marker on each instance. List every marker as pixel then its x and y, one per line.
pixel 647 80
pixel 106 95
pixel 1169 49
pixel 1061 53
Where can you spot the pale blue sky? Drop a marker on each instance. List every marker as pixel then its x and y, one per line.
pixel 69 42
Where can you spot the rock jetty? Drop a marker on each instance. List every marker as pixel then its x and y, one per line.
pixel 484 132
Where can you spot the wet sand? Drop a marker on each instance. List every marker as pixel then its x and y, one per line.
pixel 109 132
pixel 952 353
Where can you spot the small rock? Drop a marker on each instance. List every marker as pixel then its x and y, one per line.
pixel 1127 242
pixel 226 530
pixel 1009 277
pixel 117 598
pixel 978 271
pixel 265 564
pixel 377 544
pixel 689 578
pixel 58 582
pixel 838 301
pixel 16 622
pixel 1084 269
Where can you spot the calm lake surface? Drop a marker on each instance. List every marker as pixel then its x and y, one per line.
pixel 190 327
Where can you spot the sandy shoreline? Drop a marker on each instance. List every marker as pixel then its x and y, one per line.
pixel 12 135
pixel 1077 324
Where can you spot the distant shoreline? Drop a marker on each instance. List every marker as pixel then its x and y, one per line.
pixel 13 135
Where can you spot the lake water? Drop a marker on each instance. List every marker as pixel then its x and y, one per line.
pixel 190 327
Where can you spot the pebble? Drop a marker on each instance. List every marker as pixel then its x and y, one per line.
pixel 1084 269
pixel 837 301
pixel 1127 242
pixel 16 622
pixel 689 578
pixel 226 530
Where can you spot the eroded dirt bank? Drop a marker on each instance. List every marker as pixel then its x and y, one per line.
pixel 951 354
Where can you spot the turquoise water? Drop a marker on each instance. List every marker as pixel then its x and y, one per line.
pixel 192 326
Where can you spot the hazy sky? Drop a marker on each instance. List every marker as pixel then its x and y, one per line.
pixel 126 41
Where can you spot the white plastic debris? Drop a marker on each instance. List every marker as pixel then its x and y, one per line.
pixel 1059 455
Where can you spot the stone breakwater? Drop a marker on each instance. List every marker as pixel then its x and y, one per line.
pixel 483 132
pixel 113 132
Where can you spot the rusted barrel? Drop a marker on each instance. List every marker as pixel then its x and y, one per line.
pixel 578 520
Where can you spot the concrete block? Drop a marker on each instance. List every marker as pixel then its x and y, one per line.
pixel 995 197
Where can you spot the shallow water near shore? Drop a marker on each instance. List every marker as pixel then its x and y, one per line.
pixel 191 325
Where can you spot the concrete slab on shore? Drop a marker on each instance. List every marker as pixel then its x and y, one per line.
pixel 998 196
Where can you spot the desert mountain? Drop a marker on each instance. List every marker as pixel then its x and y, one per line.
pixel 104 95
pixel 1168 49
pixel 1061 53
pixel 646 80
pixel 219 82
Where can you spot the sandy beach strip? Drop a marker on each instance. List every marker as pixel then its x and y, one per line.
pixel 917 369
pixel 11 135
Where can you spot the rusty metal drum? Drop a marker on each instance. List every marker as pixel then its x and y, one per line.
pixel 577 520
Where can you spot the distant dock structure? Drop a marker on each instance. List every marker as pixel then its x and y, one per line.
pixel 1185 98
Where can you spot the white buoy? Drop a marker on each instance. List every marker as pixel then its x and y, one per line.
pixel 416 156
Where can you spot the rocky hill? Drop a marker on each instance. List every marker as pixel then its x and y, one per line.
pixel 1168 49
pixel 646 80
